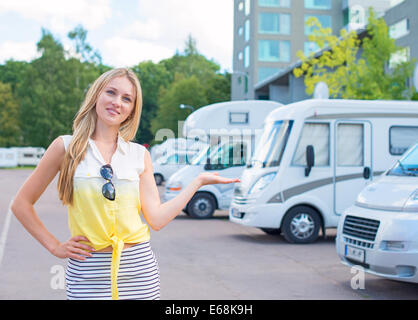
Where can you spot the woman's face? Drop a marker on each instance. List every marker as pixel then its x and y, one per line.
pixel 116 102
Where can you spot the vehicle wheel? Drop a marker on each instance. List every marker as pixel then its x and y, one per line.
pixel 201 206
pixel 158 179
pixel 301 225
pixel 271 231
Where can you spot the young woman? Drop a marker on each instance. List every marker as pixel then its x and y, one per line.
pixel 106 182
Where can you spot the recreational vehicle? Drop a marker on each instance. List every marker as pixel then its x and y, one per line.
pixel 8 158
pixel 28 156
pixel 379 232
pixel 165 166
pixel 312 160
pixel 232 129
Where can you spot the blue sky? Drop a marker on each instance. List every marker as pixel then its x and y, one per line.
pixel 125 32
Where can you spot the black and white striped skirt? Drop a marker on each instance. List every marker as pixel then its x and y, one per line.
pixel 138 277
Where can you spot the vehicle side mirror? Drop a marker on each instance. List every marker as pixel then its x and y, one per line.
pixel 310 159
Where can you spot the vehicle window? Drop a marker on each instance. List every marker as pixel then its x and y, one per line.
pixel 401 138
pixel 182 159
pixel 317 135
pixel 407 165
pixel 172 159
pixel 350 144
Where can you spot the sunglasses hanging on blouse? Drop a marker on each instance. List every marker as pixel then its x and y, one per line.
pixel 108 189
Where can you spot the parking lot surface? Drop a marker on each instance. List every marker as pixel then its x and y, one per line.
pixel 212 259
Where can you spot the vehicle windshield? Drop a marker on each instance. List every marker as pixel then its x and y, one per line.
pixel 270 148
pixel 228 154
pixel 201 157
pixel 407 165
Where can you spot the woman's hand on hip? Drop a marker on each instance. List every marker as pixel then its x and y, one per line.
pixel 206 178
pixel 73 249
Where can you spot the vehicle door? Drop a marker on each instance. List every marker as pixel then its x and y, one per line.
pixel 353 167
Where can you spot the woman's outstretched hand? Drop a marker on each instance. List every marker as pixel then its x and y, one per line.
pixel 214 178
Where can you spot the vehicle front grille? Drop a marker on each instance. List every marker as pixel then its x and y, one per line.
pixel 359 243
pixel 361 227
pixel 243 200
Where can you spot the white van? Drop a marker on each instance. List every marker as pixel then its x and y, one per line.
pixel 168 164
pixel 233 130
pixel 380 231
pixel 314 157
pixel 28 156
pixel 8 158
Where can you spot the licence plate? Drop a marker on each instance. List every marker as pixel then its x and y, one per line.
pixel 355 253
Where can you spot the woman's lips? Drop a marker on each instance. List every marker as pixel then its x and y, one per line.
pixel 113 112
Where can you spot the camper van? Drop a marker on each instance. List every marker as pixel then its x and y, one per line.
pixel 28 156
pixel 165 166
pixel 312 160
pixel 379 232
pixel 232 130
pixel 8 158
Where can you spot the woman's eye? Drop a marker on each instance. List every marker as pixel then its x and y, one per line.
pixel 110 91
pixel 127 99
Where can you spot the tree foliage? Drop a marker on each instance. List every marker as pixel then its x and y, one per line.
pixel 39 99
pixel 356 68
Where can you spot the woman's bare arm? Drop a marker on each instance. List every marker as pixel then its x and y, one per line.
pixel 159 214
pixel 23 203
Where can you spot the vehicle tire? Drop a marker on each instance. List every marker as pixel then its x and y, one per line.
pixel 301 224
pixel 271 231
pixel 201 206
pixel 158 179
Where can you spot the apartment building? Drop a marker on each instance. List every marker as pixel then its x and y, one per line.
pixel 269 33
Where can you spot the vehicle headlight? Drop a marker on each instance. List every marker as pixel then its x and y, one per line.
pixel 174 186
pixel 262 182
pixel 412 203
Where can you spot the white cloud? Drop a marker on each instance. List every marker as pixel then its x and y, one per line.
pixel 61 15
pixel 125 52
pixel 209 22
pixel 149 30
pixel 20 51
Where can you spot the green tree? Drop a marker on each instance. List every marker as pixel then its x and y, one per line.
pixel 52 91
pixel 152 77
pixel 187 91
pixel 350 76
pixel 9 117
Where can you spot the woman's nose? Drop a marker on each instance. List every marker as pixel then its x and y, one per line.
pixel 117 100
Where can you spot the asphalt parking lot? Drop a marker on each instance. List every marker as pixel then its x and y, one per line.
pixel 199 259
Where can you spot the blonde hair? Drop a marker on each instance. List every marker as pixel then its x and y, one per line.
pixel 85 123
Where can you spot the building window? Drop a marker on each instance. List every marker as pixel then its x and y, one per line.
pixel 324 20
pixel 310 47
pixel 401 138
pixel 240 56
pixel 399 29
pixel 264 73
pixel 399 57
pixel 273 51
pixel 241 6
pixel 318 4
pixel 240 31
pixel 274 23
pixel 247 56
pixel 247 30
pixel 274 3
pixel 247 7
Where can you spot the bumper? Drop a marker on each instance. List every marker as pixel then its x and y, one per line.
pixel 261 216
pixel 375 257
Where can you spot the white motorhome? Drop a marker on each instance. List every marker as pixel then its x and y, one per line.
pixel 232 129
pixel 8 158
pixel 314 157
pixel 175 144
pixel 28 156
pixel 379 232
pixel 165 166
